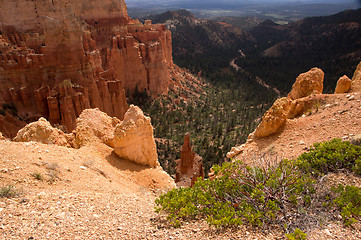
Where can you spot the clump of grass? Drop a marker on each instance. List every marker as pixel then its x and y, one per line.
pixel 9 191
pixel 53 171
pixel 37 176
pixel 52 166
pixel 53 176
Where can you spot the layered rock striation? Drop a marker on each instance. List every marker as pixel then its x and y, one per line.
pixel 58 58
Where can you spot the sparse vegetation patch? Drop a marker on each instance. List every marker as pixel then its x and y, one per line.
pixel 285 193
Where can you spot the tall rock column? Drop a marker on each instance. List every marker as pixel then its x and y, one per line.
pixel 190 166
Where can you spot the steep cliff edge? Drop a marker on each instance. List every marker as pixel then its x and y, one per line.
pixel 59 58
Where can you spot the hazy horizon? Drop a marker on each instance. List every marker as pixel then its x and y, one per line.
pixel 289 9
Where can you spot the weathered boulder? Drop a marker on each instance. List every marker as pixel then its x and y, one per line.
pixel 274 119
pixel 134 140
pixel 190 166
pixel 42 131
pixel 356 79
pixel 307 83
pixel 94 126
pixel 343 85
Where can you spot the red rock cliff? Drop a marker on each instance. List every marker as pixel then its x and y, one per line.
pixel 58 58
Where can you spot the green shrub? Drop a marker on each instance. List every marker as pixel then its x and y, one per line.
pixel 297 235
pixel 330 157
pixel 349 203
pixel 241 194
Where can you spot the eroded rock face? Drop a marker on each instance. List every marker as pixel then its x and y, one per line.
pixel 343 85
pixel 58 58
pixel 94 126
pixel 134 140
pixel 307 83
pixel 274 119
pixel 42 131
pixel 190 166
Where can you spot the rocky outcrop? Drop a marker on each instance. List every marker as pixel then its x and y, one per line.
pixel 190 166
pixel 42 131
pixel 307 83
pixel 58 58
pixel 274 119
pixel 134 140
pixel 94 126
pixel 343 85
pixel 356 79
pixel 297 102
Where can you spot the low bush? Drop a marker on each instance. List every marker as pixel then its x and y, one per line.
pixel 349 203
pixel 265 194
pixel 331 156
pixel 296 235
pixel 271 192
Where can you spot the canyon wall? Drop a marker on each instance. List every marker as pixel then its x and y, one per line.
pixel 58 58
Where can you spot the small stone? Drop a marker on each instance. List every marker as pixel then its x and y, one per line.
pixel 82 167
pixel 327 232
pixel 351 98
pixel 302 143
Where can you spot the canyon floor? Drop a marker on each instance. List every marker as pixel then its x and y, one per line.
pixel 90 193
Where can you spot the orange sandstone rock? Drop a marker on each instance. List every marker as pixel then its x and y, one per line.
pixel 41 131
pixel 190 166
pixel 356 79
pixel 343 85
pixel 274 119
pixel 134 140
pixel 307 83
pixel 94 126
